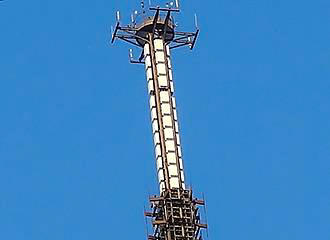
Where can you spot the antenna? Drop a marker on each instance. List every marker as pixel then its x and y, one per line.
pixel 131 57
pixel 130 54
pixel 177 4
pixel 196 21
pixel 118 16
pixel 112 31
pixel 189 40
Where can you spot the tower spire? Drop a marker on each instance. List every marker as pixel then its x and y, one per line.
pixel 175 212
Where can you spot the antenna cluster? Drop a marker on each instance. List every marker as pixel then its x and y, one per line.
pixel 161 23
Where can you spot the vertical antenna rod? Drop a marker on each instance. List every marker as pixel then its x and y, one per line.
pixel 175 212
pixel 177 4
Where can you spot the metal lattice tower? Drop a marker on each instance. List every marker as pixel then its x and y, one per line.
pixel 175 212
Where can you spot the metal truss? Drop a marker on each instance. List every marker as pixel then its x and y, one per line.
pixel 160 27
pixel 175 216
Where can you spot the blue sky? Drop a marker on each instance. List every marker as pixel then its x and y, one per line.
pixel 76 157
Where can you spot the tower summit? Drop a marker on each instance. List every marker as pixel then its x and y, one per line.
pixel 175 212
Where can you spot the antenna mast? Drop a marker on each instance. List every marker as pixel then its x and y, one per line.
pixel 175 212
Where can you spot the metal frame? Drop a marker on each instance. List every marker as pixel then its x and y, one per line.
pixel 175 216
pixel 129 32
pixel 159 113
pixel 175 213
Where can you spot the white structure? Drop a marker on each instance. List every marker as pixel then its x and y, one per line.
pixel 175 212
pixel 164 118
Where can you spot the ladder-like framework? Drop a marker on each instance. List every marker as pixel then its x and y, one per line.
pixel 175 213
pixel 175 216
